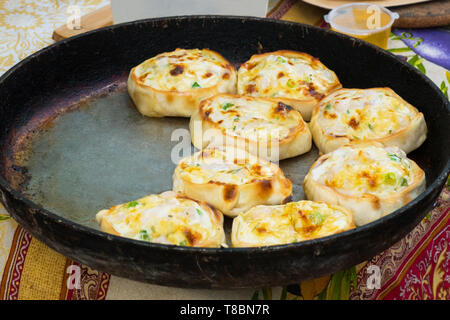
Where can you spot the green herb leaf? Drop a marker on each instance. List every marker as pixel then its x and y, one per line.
pixel 316 217
pixel 195 85
pixel 370 126
pixel 394 157
pixel 328 107
pixel 4 217
pixel 143 235
pixel 132 204
pixel 235 170
pixel 227 105
pixel 290 83
pixel 404 182
pixel 398 50
pixel 390 178
pixel 183 243
pixel 444 89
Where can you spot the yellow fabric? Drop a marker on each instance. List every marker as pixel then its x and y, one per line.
pixel 43 273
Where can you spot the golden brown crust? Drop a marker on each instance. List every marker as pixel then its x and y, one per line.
pixel 408 139
pixel 306 232
pixel 154 102
pixel 304 105
pixel 232 198
pixel 214 239
pixel 365 207
pixel 207 133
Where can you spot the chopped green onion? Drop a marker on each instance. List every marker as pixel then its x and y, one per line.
pixel 183 243
pixel 227 105
pixel 236 119
pixel 328 107
pixel 370 126
pixel 195 85
pixel 235 170
pixel 143 235
pixel 290 83
pixel 132 204
pixel 280 59
pixel 404 182
pixel 348 111
pixel 316 217
pixel 394 157
pixel 199 211
pixel 389 178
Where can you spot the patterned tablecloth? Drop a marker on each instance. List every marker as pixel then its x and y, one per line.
pixel 417 267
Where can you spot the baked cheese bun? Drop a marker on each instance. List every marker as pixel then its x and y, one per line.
pixel 168 218
pixel 174 83
pixel 295 78
pixel 292 222
pixel 231 180
pixel 266 128
pixel 370 181
pixel 350 116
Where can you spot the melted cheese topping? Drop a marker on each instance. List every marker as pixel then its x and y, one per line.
pixel 255 119
pixel 364 114
pixel 293 222
pixel 359 170
pixel 183 70
pixel 288 77
pixel 163 218
pixel 216 165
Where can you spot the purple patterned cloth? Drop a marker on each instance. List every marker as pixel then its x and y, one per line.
pixel 431 44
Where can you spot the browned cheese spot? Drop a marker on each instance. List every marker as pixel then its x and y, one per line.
pixel 371 179
pixel 376 203
pixel 327 114
pixel 313 93
pixel 207 75
pixel 251 88
pixel 353 123
pixel 177 70
pixel 229 192
pixel 265 187
pixel 191 237
pixel 250 65
pixel 261 230
pixel 283 108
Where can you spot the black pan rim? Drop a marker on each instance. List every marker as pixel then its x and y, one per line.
pixel 66 223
